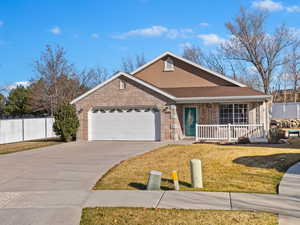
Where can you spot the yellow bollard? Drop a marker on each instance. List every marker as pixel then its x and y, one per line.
pixel 175 180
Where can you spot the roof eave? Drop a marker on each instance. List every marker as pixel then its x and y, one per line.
pixel 253 98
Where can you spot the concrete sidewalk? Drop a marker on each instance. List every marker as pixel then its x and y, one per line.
pixel 56 193
pixel 22 203
pixel 287 207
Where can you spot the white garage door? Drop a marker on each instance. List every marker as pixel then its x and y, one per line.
pixel 124 124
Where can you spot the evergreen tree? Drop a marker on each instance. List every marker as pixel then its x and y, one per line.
pixel 66 122
pixel 17 102
pixel 2 104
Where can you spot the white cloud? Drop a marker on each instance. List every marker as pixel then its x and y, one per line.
pixel 211 39
pixel 185 45
pixel 55 30
pixel 268 5
pixel 187 30
pixel 203 24
pixel 155 31
pixel 294 8
pixel 1 23
pixel 172 33
pixel 273 6
pixel 14 85
pixel 95 35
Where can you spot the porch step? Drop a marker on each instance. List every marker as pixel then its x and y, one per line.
pixel 257 140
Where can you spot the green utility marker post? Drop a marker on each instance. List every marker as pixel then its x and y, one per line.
pixel 196 173
pixel 154 180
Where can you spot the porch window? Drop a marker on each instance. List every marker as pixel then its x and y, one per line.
pixel 233 113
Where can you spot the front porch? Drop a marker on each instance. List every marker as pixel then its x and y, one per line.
pixel 229 132
pixel 220 121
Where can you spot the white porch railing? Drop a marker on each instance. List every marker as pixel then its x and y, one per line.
pixel 229 132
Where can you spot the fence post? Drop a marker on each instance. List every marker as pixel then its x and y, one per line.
pixel 229 132
pixel 1 138
pixel 46 126
pixel 23 129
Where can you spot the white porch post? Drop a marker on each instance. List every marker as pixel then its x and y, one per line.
pixel 197 132
pixel 266 118
pixel 229 132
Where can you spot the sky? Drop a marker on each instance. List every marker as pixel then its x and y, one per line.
pixel 101 33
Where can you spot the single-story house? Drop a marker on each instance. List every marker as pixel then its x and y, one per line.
pixel 171 98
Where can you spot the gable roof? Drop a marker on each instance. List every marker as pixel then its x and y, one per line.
pixel 190 94
pixel 119 74
pixel 188 62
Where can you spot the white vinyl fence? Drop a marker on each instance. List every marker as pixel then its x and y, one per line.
pixel 229 132
pixel 16 130
pixel 290 110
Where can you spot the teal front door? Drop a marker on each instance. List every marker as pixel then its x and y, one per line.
pixel 190 119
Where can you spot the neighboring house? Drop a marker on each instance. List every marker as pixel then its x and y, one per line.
pixel 165 99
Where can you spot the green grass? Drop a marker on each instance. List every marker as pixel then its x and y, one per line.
pixel 27 145
pixel 141 216
pixel 256 169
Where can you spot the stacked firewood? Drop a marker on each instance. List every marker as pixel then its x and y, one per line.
pixel 291 123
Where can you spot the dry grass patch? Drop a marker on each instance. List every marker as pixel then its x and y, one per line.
pixel 225 168
pixel 140 216
pixel 27 145
pixel 294 141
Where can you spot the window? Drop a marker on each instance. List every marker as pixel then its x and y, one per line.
pixel 169 65
pixel 234 113
pixel 122 84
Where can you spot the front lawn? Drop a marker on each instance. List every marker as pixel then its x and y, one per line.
pixel 230 168
pixel 27 145
pixel 141 216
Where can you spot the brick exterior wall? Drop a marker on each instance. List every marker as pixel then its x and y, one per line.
pixel 111 95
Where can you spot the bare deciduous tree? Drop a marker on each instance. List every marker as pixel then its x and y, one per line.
pixel 212 60
pixel 217 62
pixel 92 77
pixel 252 44
pixel 129 64
pixel 56 81
pixel 292 68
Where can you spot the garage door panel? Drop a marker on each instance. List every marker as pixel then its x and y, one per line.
pixel 124 125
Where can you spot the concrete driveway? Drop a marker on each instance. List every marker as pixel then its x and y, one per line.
pixel 49 185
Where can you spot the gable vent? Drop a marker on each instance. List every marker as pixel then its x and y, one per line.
pixel 169 64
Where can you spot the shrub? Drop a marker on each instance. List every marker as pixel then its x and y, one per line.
pixel 243 140
pixel 66 122
pixel 275 134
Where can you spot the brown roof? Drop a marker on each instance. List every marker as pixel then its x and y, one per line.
pixel 184 75
pixel 219 91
